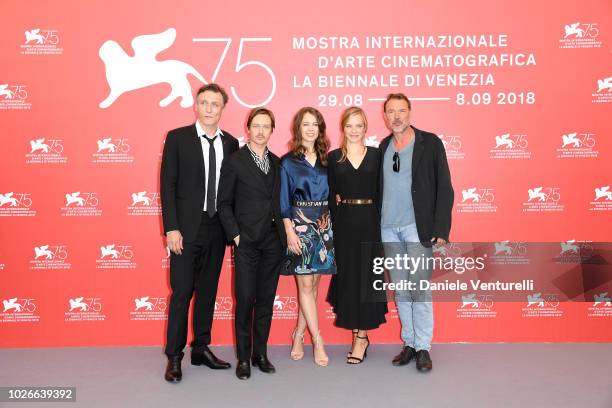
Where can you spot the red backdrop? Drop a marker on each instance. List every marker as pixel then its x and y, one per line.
pixel 519 91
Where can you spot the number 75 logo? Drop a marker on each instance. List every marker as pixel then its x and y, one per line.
pixel 242 64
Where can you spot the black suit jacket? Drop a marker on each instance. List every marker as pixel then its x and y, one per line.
pixel 244 201
pixel 183 179
pixel 432 191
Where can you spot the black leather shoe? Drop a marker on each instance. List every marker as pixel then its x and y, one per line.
pixel 205 356
pixel 404 357
pixel 243 370
pixel 423 361
pixel 173 369
pixel 263 363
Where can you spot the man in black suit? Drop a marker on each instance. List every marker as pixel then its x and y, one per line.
pixel 416 204
pixel 190 171
pixel 249 207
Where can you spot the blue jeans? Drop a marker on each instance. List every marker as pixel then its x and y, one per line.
pixel 414 306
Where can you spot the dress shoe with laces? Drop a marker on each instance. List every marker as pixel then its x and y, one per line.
pixel 263 363
pixel 243 370
pixel 204 356
pixel 173 369
pixel 423 361
pixel 404 357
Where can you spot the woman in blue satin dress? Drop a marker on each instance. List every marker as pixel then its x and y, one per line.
pixel 305 212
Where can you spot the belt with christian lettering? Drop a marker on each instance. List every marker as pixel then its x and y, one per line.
pixel 310 203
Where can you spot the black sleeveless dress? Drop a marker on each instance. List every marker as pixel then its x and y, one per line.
pixel 355 302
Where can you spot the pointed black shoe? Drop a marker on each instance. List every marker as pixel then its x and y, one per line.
pixel 263 363
pixel 204 356
pixel 423 361
pixel 243 370
pixel 404 357
pixel 173 369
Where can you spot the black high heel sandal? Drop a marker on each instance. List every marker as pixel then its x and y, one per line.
pixel 355 331
pixel 356 360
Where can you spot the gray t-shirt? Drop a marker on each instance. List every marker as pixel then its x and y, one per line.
pixel 397 206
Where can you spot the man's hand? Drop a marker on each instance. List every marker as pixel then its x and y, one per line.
pixel 237 240
pixel 174 240
pixel 438 241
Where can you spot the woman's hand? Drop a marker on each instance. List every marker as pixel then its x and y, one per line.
pixel 293 242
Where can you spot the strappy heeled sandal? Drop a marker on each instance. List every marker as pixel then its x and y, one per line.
pixel 356 360
pixel 318 342
pixel 295 355
pixel 355 331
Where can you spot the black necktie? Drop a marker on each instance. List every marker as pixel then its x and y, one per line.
pixel 211 193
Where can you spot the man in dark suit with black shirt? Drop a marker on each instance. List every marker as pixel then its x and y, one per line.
pixel 249 207
pixel 189 179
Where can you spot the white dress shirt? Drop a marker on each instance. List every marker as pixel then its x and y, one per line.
pixel 218 156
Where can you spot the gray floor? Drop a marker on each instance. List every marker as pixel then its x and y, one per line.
pixel 464 375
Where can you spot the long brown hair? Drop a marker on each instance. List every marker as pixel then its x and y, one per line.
pixel 322 143
pixel 348 112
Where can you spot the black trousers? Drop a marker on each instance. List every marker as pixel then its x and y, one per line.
pixel 256 279
pixel 197 270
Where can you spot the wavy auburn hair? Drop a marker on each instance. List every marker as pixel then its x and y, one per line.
pixel 322 143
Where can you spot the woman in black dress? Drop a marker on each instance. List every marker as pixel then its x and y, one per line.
pixel 353 174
